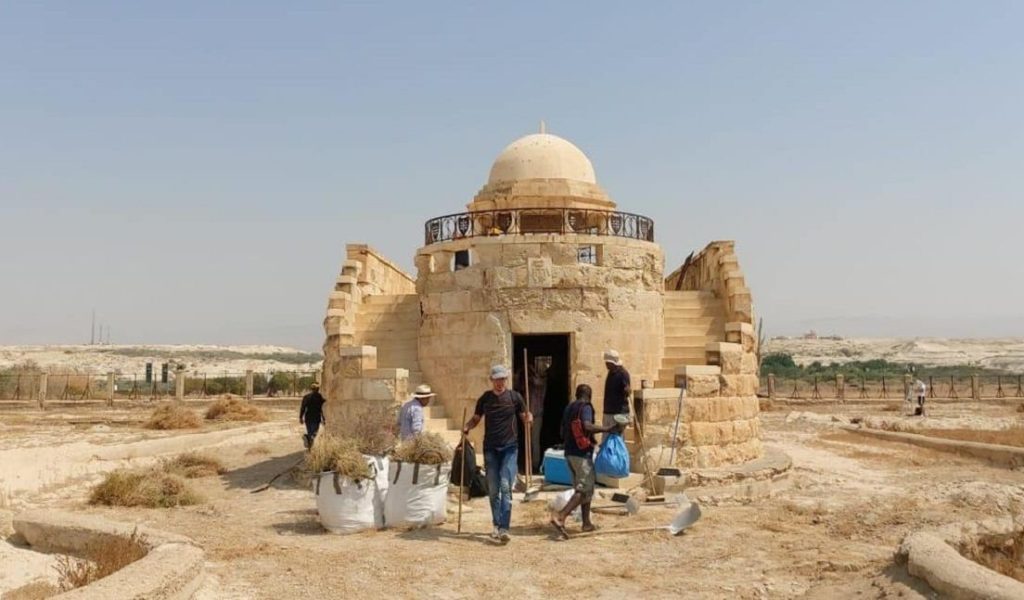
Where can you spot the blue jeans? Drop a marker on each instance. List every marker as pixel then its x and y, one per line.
pixel 312 427
pixel 500 464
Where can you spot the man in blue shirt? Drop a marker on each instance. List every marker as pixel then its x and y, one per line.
pixel 411 420
pixel 578 431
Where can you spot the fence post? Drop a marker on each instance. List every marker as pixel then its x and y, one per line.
pixel 179 384
pixel 975 389
pixel 771 386
pixel 44 379
pixel 248 385
pixel 906 385
pixel 110 389
pixel 840 387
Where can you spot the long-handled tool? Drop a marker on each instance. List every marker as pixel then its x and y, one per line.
pixel 267 485
pixel 672 470
pixel 648 475
pixel 688 514
pixel 531 492
pixel 462 465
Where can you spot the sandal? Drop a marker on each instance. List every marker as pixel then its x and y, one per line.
pixel 562 533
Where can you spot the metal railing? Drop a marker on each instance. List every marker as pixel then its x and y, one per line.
pixel 520 221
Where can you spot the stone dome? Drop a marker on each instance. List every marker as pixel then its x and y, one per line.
pixel 541 156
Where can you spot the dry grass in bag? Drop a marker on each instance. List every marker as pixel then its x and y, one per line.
pixel 235 409
pixel 101 559
pixel 342 455
pixel 428 448
pixel 173 416
pixel 373 430
pixel 151 488
pixel 193 465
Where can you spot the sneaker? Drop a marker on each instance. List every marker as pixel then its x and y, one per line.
pixel 496 534
pixel 504 536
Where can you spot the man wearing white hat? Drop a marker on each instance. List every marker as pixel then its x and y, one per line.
pixel 410 417
pixel 500 406
pixel 616 389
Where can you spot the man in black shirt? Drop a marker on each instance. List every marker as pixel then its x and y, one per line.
pixel 578 431
pixel 311 412
pixel 616 389
pixel 500 406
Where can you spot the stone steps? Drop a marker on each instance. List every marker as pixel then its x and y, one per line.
pixel 692 319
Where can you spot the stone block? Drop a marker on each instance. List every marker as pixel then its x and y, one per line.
pixel 728 356
pixel 595 301
pixel 742 431
pixel 514 255
pixel 424 264
pixel 349 389
pixel 560 254
pixel 470 278
pixel 354 361
pixel 455 302
pixel 748 363
pixel 700 380
pixel 380 389
pixel 561 299
pixel 539 273
pixel 737 332
pixel 704 434
pixel 499 277
pixel 738 385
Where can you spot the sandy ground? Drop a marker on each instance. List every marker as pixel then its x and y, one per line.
pixel 830 533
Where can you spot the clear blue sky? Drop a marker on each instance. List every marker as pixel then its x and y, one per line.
pixel 193 170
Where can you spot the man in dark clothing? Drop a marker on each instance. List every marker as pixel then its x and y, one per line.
pixel 311 413
pixel 500 406
pixel 578 431
pixel 616 389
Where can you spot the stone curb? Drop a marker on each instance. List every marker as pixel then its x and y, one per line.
pixel 1005 456
pixel 931 556
pixel 171 570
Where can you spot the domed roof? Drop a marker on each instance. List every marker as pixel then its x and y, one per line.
pixel 541 156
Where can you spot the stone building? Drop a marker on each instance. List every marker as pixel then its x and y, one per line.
pixel 543 267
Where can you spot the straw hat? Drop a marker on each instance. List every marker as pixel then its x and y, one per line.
pixel 423 391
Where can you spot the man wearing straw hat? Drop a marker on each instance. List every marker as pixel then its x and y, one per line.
pixel 500 406
pixel 411 421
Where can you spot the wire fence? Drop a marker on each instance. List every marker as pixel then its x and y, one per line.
pixel 896 387
pixel 37 386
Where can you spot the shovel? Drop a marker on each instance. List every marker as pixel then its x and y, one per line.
pixel 630 508
pixel 674 471
pixel 688 514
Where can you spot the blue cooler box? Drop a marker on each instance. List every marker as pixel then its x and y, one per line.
pixel 555 467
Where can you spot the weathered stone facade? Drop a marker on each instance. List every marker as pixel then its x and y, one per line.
pixel 541 251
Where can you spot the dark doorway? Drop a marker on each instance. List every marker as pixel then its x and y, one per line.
pixel 548 357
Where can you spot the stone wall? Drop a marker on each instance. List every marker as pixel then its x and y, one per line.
pixel 535 284
pixel 365 272
pixel 360 385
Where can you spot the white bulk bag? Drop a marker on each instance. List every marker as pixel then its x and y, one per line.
pixel 345 506
pixel 417 494
pixel 380 487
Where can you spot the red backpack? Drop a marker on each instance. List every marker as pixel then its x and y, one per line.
pixel 579 433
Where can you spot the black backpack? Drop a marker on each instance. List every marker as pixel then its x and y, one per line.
pixel 476 481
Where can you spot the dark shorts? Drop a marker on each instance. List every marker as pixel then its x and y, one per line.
pixel 583 477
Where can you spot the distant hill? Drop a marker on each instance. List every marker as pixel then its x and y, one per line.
pixel 1004 354
pixel 132 359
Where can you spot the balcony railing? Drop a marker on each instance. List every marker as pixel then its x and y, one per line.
pixel 520 221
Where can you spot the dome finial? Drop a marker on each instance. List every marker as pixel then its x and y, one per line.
pixel 543 127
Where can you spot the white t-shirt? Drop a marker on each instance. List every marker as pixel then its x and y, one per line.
pixel 920 387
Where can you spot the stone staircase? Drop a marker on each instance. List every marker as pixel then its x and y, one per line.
pixel 692 320
pixel 392 325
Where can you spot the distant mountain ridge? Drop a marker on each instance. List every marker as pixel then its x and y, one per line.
pixel 996 353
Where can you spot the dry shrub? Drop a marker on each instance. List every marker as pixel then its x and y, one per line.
pixel 1004 555
pixel 261 450
pixel 173 416
pixel 37 590
pixel 766 404
pixel 101 559
pixel 893 407
pixel 428 448
pixel 235 409
pixel 193 465
pixel 151 488
pixel 373 430
pixel 339 454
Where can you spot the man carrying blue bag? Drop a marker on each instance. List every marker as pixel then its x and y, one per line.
pixel 578 431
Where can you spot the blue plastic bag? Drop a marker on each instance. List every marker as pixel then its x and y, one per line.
pixel 613 458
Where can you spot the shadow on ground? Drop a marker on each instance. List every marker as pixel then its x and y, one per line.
pixel 287 469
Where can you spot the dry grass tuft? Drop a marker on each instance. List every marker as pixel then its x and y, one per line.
pixel 235 409
pixel 428 448
pixel 173 416
pixel 261 450
pixel 332 453
pixel 37 590
pixel 150 488
pixel 193 465
pixel 101 559
pixel 1005 556
pixel 766 404
pixel 893 407
pixel 373 430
